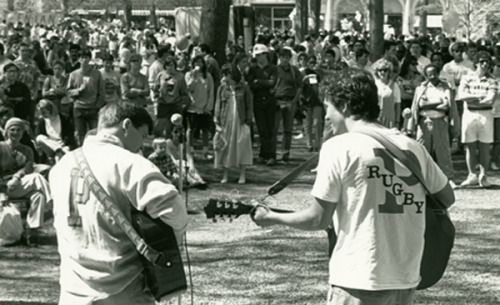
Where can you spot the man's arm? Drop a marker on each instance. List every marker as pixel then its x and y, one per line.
pixel 317 217
pixel 446 196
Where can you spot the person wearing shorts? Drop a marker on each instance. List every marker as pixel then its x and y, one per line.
pixel 478 90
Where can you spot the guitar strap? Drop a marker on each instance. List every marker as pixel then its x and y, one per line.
pixel 149 253
pixel 397 153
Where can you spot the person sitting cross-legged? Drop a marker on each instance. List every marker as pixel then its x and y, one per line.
pixel 54 132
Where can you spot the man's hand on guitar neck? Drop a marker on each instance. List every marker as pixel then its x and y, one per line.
pixel 316 217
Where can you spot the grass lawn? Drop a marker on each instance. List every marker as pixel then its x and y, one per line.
pixel 238 263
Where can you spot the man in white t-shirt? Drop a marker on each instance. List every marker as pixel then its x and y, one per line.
pixel 369 196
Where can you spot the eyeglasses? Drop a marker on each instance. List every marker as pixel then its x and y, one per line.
pixel 484 62
pixel 383 70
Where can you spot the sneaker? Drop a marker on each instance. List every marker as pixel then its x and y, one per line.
pixel 494 166
pixel 483 181
pixel 299 136
pixel 452 184
pixel 471 180
pixel 271 162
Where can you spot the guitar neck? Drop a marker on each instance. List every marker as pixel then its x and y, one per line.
pixel 218 207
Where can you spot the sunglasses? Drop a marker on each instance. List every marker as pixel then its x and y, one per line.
pixel 383 70
pixel 484 62
pixel 457 51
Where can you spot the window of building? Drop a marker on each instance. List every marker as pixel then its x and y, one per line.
pixel 274 17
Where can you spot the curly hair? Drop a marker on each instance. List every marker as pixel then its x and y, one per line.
pixel 354 91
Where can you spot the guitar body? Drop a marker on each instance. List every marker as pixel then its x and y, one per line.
pixel 165 278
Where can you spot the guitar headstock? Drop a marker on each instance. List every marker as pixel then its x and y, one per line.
pixel 223 207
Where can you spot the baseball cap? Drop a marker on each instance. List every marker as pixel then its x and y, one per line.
pixel 259 49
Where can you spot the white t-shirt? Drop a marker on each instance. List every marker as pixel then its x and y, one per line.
pixel 380 216
pixel 457 70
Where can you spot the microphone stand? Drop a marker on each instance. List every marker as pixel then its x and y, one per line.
pixel 184 181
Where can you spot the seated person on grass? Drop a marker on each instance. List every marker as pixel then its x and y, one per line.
pixel 173 149
pixel 164 161
pixel 21 179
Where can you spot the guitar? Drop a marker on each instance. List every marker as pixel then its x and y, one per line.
pixel 231 208
pixel 165 278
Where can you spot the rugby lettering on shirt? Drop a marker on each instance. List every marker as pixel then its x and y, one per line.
pixel 394 190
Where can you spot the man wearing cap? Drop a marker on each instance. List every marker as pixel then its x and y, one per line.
pixel 478 90
pixel 262 80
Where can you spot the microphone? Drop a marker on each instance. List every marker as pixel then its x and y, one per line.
pixel 176 119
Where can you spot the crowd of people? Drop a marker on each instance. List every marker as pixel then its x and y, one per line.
pixel 57 83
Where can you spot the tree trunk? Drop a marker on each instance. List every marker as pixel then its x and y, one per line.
pixel 422 25
pixel 316 10
pixel 214 25
pixel 301 19
pixel 10 5
pixel 64 7
pixel 153 17
pixel 376 11
pixel 127 13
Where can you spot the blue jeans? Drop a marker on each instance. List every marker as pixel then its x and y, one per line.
pixel 287 114
pixel 85 120
pixel 313 125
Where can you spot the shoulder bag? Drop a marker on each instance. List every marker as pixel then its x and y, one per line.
pixel 153 239
pixel 439 230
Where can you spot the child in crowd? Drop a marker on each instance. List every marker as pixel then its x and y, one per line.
pixel 164 161
pixel 193 178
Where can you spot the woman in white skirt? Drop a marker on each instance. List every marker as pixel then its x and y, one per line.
pixel 232 117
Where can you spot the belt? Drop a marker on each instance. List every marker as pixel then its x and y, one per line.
pixel 432 114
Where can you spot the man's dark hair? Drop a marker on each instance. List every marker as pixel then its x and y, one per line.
pixel 205 48
pixel 353 91
pixel 108 57
pixel 74 47
pixel 10 65
pixel 85 53
pixel 114 113
pixel 285 52
pixel 388 44
pixel 162 51
pixel 361 52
